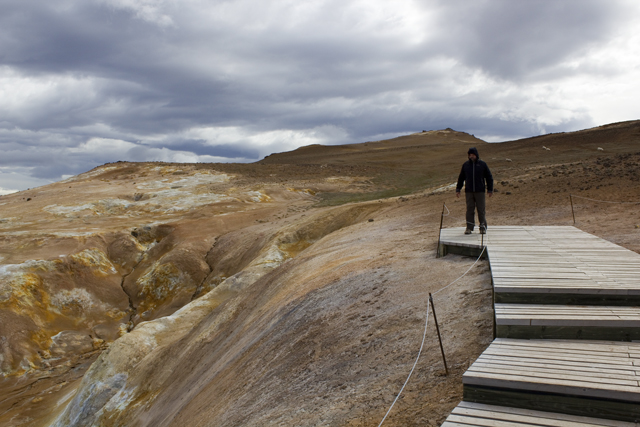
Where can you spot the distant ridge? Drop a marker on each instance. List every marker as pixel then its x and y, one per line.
pixel 372 150
pixel 630 128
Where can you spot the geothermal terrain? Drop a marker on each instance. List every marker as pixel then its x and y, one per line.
pixel 291 291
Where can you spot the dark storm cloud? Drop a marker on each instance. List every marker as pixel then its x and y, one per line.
pixel 92 82
pixel 201 148
pixel 59 37
pixel 514 40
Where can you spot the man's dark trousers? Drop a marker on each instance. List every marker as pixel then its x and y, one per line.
pixel 476 200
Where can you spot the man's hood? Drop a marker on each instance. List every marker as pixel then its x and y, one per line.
pixel 473 150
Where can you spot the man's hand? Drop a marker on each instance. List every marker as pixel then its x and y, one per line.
pixel 490 194
pixel 458 194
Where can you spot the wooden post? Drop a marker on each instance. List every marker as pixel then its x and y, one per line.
pixel 433 308
pixel 493 302
pixel 440 231
pixel 572 213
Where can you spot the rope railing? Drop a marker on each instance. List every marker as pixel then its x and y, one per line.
pixel 465 273
pixel 605 201
pixel 424 335
pixel 573 213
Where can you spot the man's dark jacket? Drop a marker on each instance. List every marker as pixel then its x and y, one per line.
pixel 473 176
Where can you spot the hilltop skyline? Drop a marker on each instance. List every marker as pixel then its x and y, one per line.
pixel 84 84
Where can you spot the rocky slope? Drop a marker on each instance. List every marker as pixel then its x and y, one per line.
pixel 287 292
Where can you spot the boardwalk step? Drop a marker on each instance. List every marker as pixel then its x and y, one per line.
pixel 478 414
pixel 572 377
pixel 526 321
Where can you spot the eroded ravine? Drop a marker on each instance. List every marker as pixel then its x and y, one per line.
pixel 151 260
pixel 244 258
pixel 66 295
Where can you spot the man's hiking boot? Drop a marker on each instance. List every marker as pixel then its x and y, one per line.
pixel 467 231
pixel 483 230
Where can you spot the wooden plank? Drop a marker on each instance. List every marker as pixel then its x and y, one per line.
pixel 574 308
pixel 612 359
pixel 614 356
pixel 556 386
pixel 538 417
pixel 560 319
pixel 590 288
pixel 605 376
pixel 593 376
pixel 569 345
pixel 550 402
pixel 484 419
pixel 533 270
pixel 545 356
pixel 567 315
pixel 630 373
pixel 522 295
pixel 583 310
pixel 465 420
pixel 560 357
pixel 550 311
pixel 545 276
pixel 568 332
pixel 551 284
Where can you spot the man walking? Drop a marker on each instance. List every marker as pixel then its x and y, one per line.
pixel 473 175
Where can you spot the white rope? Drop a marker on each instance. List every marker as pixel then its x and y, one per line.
pixel 465 273
pixel 424 335
pixel 605 201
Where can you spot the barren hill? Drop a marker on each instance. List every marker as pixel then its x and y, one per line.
pixel 291 291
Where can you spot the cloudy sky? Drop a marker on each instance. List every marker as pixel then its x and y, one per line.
pixel 85 82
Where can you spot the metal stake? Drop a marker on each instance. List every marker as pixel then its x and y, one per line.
pixel 573 214
pixel 440 231
pixel 433 308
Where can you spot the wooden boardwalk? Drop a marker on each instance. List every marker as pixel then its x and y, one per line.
pixel 567 308
pixel 553 265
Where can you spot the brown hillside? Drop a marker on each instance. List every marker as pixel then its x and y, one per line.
pixel 291 291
